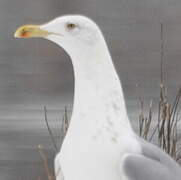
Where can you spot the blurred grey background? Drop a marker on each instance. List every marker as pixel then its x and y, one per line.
pixel 36 73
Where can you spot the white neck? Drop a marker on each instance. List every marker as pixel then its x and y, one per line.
pixel 98 89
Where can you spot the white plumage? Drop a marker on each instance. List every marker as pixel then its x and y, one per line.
pixel 100 143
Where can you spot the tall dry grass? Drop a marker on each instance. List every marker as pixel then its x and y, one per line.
pixel 49 174
pixel 165 132
pixel 166 128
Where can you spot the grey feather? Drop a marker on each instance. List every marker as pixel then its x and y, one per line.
pixel 151 164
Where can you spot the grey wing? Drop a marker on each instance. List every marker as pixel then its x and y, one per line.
pixel 151 164
pixel 153 152
pixel 57 166
pixel 138 167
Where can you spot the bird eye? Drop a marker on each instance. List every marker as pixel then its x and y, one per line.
pixel 71 26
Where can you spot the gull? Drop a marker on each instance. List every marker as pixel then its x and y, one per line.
pixel 100 143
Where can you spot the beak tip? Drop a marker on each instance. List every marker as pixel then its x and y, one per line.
pixel 30 31
pixel 17 34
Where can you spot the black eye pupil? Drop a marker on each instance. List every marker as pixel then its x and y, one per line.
pixel 71 26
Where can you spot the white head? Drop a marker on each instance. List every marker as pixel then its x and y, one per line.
pixel 70 32
pixel 82 39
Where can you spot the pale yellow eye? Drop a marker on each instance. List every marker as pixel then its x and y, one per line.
pixel 71 26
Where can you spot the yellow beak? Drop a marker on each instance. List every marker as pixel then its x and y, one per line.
pixel 30 31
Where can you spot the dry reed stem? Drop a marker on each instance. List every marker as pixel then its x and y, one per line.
pixel 45 163
pixel 65 121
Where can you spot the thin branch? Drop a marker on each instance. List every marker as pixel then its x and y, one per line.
pixel 50 132
pixel 162 55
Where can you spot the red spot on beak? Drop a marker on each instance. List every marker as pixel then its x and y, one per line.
pixel 25 34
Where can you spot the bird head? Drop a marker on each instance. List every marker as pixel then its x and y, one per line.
pixel 70 32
